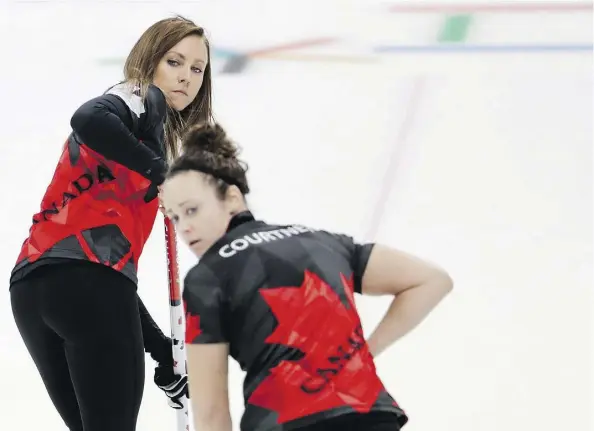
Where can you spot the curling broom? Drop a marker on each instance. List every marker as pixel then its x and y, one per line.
pixel 176 317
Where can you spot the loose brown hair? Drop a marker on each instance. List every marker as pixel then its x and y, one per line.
pixel 142 63
pixel 207 149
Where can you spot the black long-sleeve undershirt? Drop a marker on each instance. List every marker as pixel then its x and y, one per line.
pixel 107 125
pixel 155 342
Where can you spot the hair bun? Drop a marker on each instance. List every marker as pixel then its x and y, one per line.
pixel 210 138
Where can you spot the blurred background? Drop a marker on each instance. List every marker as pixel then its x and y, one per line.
pixel 461 132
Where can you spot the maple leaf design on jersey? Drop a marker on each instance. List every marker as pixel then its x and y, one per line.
pixel 192 325
pixel 336 370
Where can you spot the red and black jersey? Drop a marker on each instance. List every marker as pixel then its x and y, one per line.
pixel 101 202
pixel 282 297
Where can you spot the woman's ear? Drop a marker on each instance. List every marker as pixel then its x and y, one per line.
pixel 234 200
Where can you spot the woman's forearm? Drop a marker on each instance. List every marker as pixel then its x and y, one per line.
pixel 214 422
pixel 408 310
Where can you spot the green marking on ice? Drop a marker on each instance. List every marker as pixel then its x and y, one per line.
pixel 455 29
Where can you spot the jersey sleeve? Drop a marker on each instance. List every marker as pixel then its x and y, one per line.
pixel 357 255
pixel 123 127
pixel 205 308
pixel 155 342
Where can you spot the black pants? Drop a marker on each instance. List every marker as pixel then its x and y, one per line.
pixel 357 422
pixel 81 325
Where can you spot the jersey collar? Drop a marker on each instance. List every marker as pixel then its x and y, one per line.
pixel 239 219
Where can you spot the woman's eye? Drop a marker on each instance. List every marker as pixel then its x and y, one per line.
pixel 174 219
pixel 172 63
pixel 190 211
pixel 197 69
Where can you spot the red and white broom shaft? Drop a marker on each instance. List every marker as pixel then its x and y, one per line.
pixel 176 318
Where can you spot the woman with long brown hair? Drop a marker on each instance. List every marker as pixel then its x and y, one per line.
pixel 74 286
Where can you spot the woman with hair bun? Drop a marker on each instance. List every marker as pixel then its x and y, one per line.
pixel 279 299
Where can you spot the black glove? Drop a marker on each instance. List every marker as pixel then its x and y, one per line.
pixel 174 385
pixel 151 193
pixel 156 173
pixel 160 347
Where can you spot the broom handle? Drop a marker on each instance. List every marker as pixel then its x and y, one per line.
pixel 176 319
